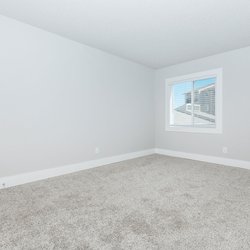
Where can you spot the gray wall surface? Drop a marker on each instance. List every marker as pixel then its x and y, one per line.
pixel 60 99
pixel 236 108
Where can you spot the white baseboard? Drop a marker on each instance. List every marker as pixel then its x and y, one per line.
pixel 205 158
pixel 10 181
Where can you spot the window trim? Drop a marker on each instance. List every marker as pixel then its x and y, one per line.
pixel 218 102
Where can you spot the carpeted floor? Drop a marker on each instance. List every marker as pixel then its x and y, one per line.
pixel 153 202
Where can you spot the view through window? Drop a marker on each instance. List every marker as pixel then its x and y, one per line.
pixel 193 103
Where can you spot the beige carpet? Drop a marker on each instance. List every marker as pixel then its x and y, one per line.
pixel 153 202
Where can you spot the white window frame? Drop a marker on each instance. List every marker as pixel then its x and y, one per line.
pixel 218 102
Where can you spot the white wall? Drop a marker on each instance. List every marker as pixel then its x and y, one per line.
pixel 59 99
pixel 236 108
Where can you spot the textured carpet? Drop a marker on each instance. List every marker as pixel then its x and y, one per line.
pixel 153 202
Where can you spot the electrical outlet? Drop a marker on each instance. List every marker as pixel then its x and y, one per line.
pixel 97 150
pixel 225 150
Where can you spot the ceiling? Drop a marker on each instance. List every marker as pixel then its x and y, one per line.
pixel 155 33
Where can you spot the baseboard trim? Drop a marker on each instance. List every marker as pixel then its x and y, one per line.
pixel 15 180
pixel 10 181
pixel 205 158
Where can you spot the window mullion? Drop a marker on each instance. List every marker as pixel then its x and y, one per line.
pixel 192 103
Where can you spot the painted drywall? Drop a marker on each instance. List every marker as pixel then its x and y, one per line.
pixel 60 99
pixel 236 104
pixel 155 33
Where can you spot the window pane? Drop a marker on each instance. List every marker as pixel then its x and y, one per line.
pixel 181 109
pixel 204 102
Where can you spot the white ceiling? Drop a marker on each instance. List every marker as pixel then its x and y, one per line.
pixel 155 33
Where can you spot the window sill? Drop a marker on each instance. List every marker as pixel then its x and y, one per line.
pixel 194 130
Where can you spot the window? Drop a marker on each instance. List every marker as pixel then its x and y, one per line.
pixel 194 102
